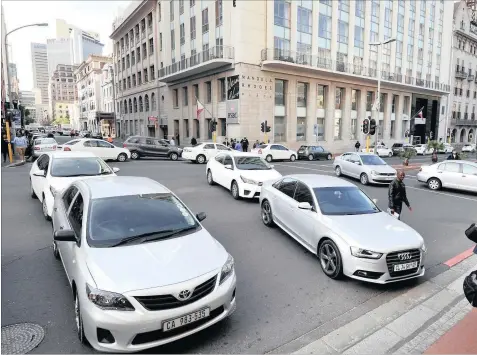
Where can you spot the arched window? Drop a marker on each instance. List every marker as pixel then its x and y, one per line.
pixel 135 105
pixel 146 103
pixel 125 107
pixel 141 107
pixel 153 102
pixel 130 106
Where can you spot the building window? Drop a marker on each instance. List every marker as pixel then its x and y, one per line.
pixel 196 93
pixel 173 40
pixel 369 100
pixel 218 13
pixel 175 98
pixel 129 82
pixel 151 46
pixel 135 105
pixel 301 94
pixel 171 6
pixel 144 51
pixel 222 90
pixel 192 3
pixel 185 94
pixel 181 7
pixel 339 105
pixel 282 13
pixel 280 86
pixel 192 28
pixel 145 76
pixel 280 129
pixel 138 51
pixel 208 92
pixel 153 72
pixel 139 78
pixel 205 20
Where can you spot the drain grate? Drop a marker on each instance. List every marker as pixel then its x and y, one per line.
pixel 21 338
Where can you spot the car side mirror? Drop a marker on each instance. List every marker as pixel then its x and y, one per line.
pixel 41 173
pixel 201 216
pixel 357 163
pixel 115 170
pixel 228 167
pixel 305 206
pixel 375 201
pixel 471 232
pixel 64 235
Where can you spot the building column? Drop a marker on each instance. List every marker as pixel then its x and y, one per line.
pixel 387 117
pixel 361 116
pixel 330 114
pixel 291 110
pixel 399 111
pixel 346 115
pixel 311 113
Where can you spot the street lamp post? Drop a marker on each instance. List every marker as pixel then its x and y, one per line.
pixel 7 124
pixel 377 102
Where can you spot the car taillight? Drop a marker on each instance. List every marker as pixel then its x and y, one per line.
pixel 36 148
pixel 66 149
pixel 259 151
pixel 124 145
pixel 54 147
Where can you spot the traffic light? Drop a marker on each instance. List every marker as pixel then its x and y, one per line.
pixel 262 126
pixel 234 3
pixel 366 126
pixel 372 127
pixel 269 128
pixel 213 126
pixel 431 135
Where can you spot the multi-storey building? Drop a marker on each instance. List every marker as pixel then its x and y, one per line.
pixel 62 90
pixel 88 82
pixel 59 52
pixel 108 126
pixel 39 61
pixel 135 61
pixel 27 99
pixel 462 121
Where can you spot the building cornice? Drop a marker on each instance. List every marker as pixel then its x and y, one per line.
pixel 125 24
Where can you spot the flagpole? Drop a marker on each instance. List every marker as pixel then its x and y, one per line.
pixel 211 115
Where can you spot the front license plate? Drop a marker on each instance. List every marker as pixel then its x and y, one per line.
pixel 172 324
pixel 407 266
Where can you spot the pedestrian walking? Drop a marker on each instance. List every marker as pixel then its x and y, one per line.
pixel 193 141
pixel 172 142
pixel 357 145
pixel 256 144
pixel 238 146
pixel 226 142
pixel 245 144
pixel 21 143
pixel 453 156
pixel 397 195
pixel 4 147
pixel 177 139
pixel 110 139
pixel 233 143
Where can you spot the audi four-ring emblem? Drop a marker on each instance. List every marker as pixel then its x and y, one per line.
pixel 404 256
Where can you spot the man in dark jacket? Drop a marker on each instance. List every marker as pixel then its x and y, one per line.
pixel 453 156
pixel 193 141
pixel 397 194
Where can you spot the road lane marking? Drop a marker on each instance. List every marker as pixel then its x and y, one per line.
pixel 442 193
pixel 458 258
pixel 301 167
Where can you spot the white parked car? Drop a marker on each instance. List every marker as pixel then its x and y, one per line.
pixel 99 147
pixel 242 173
pixel 447 148
pixel 453 174
pixel 52 172
pixel 271 152
pixel 143 270
pixel 344 228
pixel 382 150
pixel 469 148
pixel 422 149
pixel 43 145
pixel 367 167
pixel 201 153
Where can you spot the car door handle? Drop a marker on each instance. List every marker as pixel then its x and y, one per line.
pixel 61 227
pixel 464 175
pixel 439 172
pixel 55 209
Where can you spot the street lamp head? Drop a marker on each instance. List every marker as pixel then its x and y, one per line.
pixel 45 24
pixel 389 40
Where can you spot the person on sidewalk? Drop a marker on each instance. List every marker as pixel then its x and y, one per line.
pixel 357 145
pixel 238 146
pixel 4 148
pixel 244 143
pixel 172 142
pixel 21 143
pixel 453 156
pixel 193 141
pixel 110 139
pixel 397 194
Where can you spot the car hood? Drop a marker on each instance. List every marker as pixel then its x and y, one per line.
pixel 61 183
pixel 377 232
pixel 260 175
pixel 383 169
pixel 155 264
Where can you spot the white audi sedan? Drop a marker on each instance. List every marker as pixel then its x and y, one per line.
pixel 143 270
pixel 99 147
pixel 201 153
pixel 52 172
pixel 241 173
pixel 350 235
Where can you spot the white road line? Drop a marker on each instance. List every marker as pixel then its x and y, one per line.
pixel 442 193
pixel 300 167
pixel 314 164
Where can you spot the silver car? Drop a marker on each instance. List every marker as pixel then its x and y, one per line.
pixel 351 236
pixel 367 167
pixel 44 145
pixel 453 174
pixel 143 270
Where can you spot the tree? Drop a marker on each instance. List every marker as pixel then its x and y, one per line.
pixel 435 146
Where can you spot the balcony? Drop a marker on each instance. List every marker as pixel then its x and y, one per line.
pixel 471 77
pixel 278 59
pixel 460 75
pixel 200 63
pixel 458 122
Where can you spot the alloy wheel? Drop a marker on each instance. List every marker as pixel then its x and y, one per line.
pixel 310 157
pixel 293 158
pixel 328 259
pixel 269 158
pixel 45 209
pixel 338 171
pixel 364 179
pixel 235 191
pixel 267 218
pixel 56 252
pixel 134 155
pixel 434 184
pixel 174 156
pixel 201 159
pixel 210 178
pixel 122 157
pixel 328 157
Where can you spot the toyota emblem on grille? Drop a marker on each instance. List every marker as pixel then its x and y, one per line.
pixel 404 256
pixel 184 295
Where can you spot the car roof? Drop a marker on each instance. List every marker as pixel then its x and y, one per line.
pixel 236 153
pixel 359 153
pixel 114 186
pixel 71 154
pixel 316 180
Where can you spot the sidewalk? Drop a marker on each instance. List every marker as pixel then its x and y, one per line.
pixel 433 317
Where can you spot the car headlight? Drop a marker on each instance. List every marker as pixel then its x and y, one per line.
pixel 373 172
pixel 365 254
pixel 423 248
pixel 54 191
pixel 227 269
pixel 108 300
pixel 248 181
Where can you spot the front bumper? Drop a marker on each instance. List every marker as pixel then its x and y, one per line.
pixel 302 155
pixel 381 179
pixel 249 190
pixel 188 156
pixel 377 271
pixel 126 325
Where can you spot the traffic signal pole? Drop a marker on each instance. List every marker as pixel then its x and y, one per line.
pixel 10 153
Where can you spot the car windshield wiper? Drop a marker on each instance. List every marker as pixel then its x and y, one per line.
pixel 75 175
pixel 169 233
pixel 105 173
pixel 157 235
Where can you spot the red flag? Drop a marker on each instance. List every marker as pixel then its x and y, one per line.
pixel 420 114
pixel 200 108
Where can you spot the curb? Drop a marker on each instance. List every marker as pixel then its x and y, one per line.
pixel 409 323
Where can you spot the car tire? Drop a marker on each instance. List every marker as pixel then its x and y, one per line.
pixel 434 184
pixel 235 191
pixel 338 171
pixel 134 155
pixel 173 156
pixel 269 158
pixel 311 157
pixel 56 252
pixel 32 192
pixel 201 159
pixel 267 215
pixel 293 157
pixel 79 321
pixel 210 178
pixel 390 154
pixel 330 259
pixel 44 208
pixel 122 157
pixel 364 179
pixel 328 157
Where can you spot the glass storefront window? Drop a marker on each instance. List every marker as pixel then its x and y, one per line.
pixel 301 129
pixel 301 94
pixel 280 129
pixel 280 92
pixel 320 96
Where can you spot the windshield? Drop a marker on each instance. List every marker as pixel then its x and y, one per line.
pixel 251 163
pixel 68 167
pixel 372 160
pixel 344 200
pixel 45 141
pixel 303 147
pixel 115 219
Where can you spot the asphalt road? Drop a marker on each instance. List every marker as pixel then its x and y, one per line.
pixel 282 292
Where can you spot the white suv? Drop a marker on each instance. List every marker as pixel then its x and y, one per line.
pixel 275 152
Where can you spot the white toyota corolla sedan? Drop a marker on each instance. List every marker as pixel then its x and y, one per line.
pixel 52 172
pixel 351 236
pixel 143 270
pixel 241 173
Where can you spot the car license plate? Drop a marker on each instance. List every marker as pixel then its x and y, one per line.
pixel 186 319
pixel 407 266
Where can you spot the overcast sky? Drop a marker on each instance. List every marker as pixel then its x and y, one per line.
pixel 89 15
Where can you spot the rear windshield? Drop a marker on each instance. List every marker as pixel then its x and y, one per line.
pixel 263 146
pixel 397 145
pixel 303 147
pixel 45 141
pixel 72 142
pixel 132 140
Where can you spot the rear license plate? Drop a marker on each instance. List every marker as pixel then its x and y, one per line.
pixel 407 266
pixel 172 324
